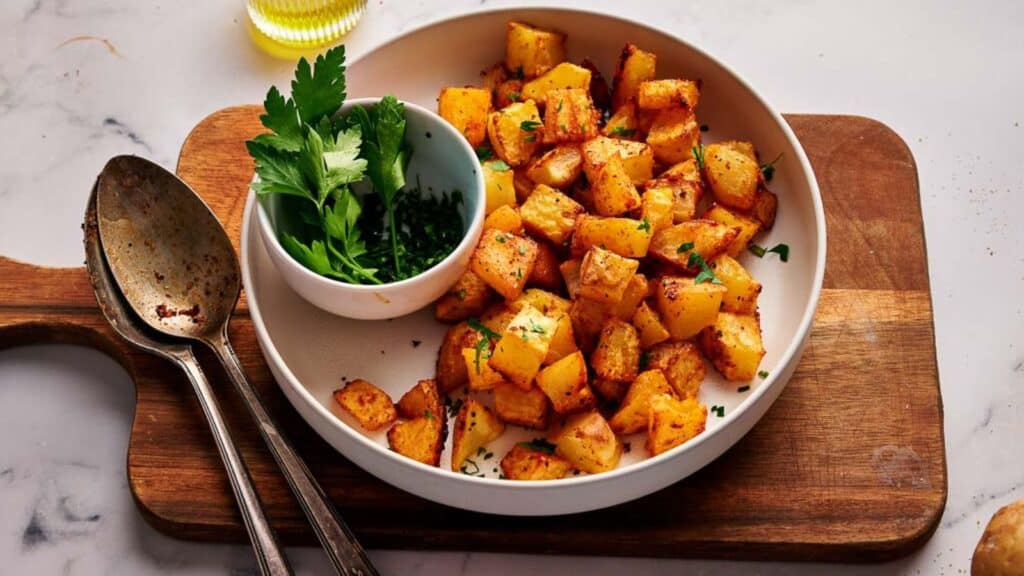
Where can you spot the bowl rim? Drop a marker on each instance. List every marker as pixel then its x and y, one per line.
pixel 794 347
pixel 469 235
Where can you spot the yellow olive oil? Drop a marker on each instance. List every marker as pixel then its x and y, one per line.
pixel 303 24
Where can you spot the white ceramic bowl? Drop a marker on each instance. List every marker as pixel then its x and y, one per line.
pixel 442 161
pixel 310 352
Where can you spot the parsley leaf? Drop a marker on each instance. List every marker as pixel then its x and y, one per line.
pixel 698 154
pixel 781 249
pixel 277 171
pixel 538 445
pixel 528 125
pixel 475 324
pixel 768 170
pixel 684 247
pixel 623 131
pixel 645 225
pixel 499 166
pixel 320 91
pixel 483 153
pixel 756 250
pixel 706 273
pixel 282 118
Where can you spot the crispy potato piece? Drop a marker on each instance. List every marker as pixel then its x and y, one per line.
pixel 687 307
pixel 588 443
pixel 636 291
pixel 528 408
pixel 1000 551
pixel 632 415
pixel 609 390
pixel 421 399
pixel 685 196
pixel 624 236
pixel 765 205
pixel 466 109
pixel 558 167
pixel 614 192
pixel 523 463
pixel 564 75
pixel 669 93
pixel 505 218
pixel 604 275
pixel 505 261
pixel 733 344
pixel 545 271
pixel 508 133
pixel 637 158
pixel 565 384
pixel 547 303
pixel 569 116
pixel 467 297
pixel 649 327
pixel 451 369
pixel 635 67
pixel 743 147
pixel 617 355
pixel 708 238
pixel 493 77
pixel 733 176
pixel 681 364
pixel 587 319
pixel 530 52
pixel 497 318
pixel 673 135
pixel 673 422
pixel 509 92
pixel 600 93
pixel 747 227
pixel 741 289
pixel 549 214
pixel 656 207
pixel 523 185
pixel 623 123
pixel 421 439
pixel 369 405
pixel 563 342
pixel 570 270
pixel 475 426
pixel 498 186
pixel 481 375
pixel 685 170
pixel 523 346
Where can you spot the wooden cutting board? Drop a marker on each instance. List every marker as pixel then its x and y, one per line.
pixel 849 464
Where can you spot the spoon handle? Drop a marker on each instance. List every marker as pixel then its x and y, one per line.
pixel 271 558
pixel 341 545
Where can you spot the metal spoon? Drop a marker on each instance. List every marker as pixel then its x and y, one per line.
pixel 178 271
pixel 271 559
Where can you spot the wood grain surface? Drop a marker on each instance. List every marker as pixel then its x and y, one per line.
pixel 848 465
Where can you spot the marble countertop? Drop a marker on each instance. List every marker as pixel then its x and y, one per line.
pixel 943 75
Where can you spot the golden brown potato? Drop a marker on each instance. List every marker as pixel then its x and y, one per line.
pixel 421 439
pixel 687 307
pixel 673 135
pixel 588 443
pixel 558 167
pixel 765 205
pixel 506 219
pixel 635 67
pixel 497 318
pixel 672 422
pixel 369 405
pixel 492 78
pixel 548 303
pixel 1000 552
pixel 745 148
pixel 421 400
pixel 481 375
pixel 563 342
pixel 523 185
pixel 587 319
pixel 525 463
pixel 733 344
pixel 530 52
pixel 451 368
pixel 515 132
pixel 505 261
pixel 569 116
pixel 613 191
pixel 656 207
pixel 467 297
pixel 609 390
pixel 685 196
pixel 747 227
pixel 707 238
pixel 681 364
pixel 741 289
pixel 649 327
pixel 604 275
pixel 733 176
pixel 637 158
pixel 565 384
pixel 617 355
pixel 634 412
pixel 509 92
pixel 475 426
pixel 564 75
pixel 466 109
pixel 545 271
pixel 498 186
pixel 549 214
pixel 570 270
pixel 634 294
pixel 669 93
pixel 523 346
pixel 527 408
pixel 623 123
pixel 624 236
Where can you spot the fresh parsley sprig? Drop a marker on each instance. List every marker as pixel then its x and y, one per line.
pixel 706 273
pixel 781 249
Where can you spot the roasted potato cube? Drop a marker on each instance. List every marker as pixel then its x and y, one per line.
pixel 421 439
pixel 569 116
pixel 614 192
pixel 506 219
pixel 765 205
pixel 673 422
pixel 635 67
pixel 565 384
pixel 558 167
pixel 733 344
pixel 669 93
pixel 528 408
pixel 649 327
pixel 563 342
pixel 733 176
pixel 604 275
pixel 624 236
pixel 588 443
pixel 515 132
pixel 523 346
pixel 745 148
pixel 636 291
pixel 617 355
pixel 685 196
pixel 530 52
pixel 705 237
pixel 587 319
pixel 505 261
pixel 610 390
pixel 475 426
pixel 741 289
pixel 570 270
pixel 545 271
pixel 635 409
pixel 509 92
pixel 673 135
pixel 547 303
pixel 523 185
pixel 493 77
pixel 681 364
pixel 369 405
pixel 481 375
pixel 685 170
pixel 497 318
pixel 747 227
pixel 564 75
pixel 467 297
pixel 687 307
pixel 637 158
pixel 656 207
pixel 524 463
pixel 421 400
pixel 466 109
pixel 550 214
pixel 623 123
pixel 451 368
pixel 498 185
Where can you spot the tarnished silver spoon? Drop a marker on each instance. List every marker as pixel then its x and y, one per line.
pixel 178 271
pixel 271 559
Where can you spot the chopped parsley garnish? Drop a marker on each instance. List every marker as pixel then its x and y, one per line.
pixel 781 249
pixel 762 374
pixel 519 273
pixel 538 445
pixel 528 125
pixel 485 342
pixel 718 411
pixel 518 73
pixel 461 294
pixel 742 389
pixel 428 414
pixel 769 169
pixel 559 107
pixel 684 247
pixel 530 138
pixel 522 249
pixel 416 343
pixel 645 225
pixel 499 166
pixel 500 238
pixel 623 131
pixel 537 328
pixel 470 468
pixel 483 153
pixel 706 273
pixel 645 359
pixel 514 96
pixel 698 154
